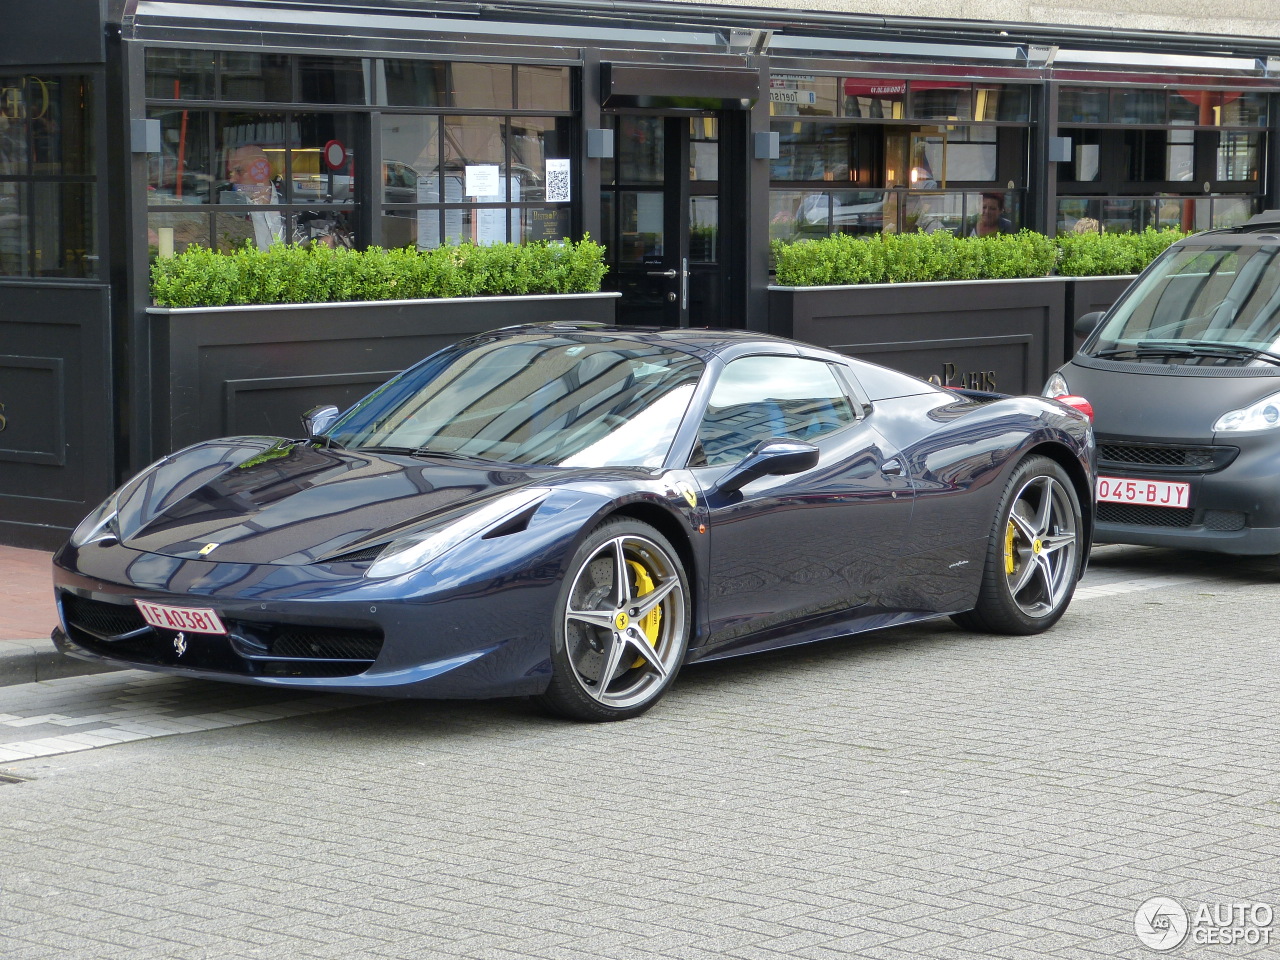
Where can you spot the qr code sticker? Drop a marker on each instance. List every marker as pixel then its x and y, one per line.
pixel 558 181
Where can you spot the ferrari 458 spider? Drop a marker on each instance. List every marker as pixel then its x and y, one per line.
pixel 574 512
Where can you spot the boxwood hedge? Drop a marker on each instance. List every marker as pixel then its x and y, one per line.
pixel 199 277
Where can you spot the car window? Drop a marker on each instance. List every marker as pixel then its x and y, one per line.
pixel 760 397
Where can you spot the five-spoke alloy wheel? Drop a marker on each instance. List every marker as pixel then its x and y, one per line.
pixel 1033 559
pixel 622 624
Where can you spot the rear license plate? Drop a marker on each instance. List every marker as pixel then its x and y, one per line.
pixel 193 619
pixel 1149 493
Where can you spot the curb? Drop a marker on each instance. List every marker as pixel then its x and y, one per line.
pixel 31 661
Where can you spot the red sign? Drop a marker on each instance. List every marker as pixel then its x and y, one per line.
pixel 335 155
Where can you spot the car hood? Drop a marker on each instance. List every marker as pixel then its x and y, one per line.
pixel 261 500
pixel 1159 405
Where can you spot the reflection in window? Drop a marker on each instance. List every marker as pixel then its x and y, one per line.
pixel 1237 156
pixel 47 189
pixel 181 74
pixel 758 398
pixel 257 77
pixel 542 88
pixel 812 151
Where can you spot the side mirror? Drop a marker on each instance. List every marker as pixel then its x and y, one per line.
pixel 319 419
pixel 777 457
pixel 1086 324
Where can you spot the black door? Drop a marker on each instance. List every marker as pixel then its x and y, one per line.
pixel 662 211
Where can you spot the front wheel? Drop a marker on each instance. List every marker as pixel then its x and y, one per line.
pixel 1033 558
pixel 622 624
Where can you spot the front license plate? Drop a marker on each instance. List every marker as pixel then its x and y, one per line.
pixel 1150 493
pixel 193 619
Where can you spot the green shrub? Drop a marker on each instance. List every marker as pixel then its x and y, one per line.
pixel 912 257
pixel 1112 254
pixel 199 277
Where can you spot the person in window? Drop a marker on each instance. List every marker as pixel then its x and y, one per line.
pixel 991 219
pixel 249 173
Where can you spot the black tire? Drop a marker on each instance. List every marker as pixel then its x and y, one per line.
pixel 1033 557
pixel 604 626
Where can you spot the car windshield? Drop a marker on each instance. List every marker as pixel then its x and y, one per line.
pixel 571 400
pixel 1204 305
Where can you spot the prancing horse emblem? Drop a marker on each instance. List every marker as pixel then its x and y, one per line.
pixel 180 644
pixel 207 549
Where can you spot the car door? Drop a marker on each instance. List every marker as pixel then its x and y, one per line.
pixel 806 547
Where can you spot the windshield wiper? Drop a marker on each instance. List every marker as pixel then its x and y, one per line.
pixel 425 452
pixel 1191 348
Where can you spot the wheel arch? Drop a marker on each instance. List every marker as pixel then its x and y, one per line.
pixel 1063 456
pixel 677 533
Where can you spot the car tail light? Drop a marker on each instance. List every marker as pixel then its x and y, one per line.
pixel 1078 403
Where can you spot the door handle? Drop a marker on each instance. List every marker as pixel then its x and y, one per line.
pixel 669 274
pixel 892 467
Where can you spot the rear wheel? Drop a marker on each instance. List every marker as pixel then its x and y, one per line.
pixel 1033 558
pixel 622 624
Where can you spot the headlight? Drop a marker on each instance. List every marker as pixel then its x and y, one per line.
pixel 419 549
pixel 1055 386
pixel 1263 415
pixel 98 525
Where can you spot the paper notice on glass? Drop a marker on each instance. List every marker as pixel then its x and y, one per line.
pixel 484 181
pixel 558 181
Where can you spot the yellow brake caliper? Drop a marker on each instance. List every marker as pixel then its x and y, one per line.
pixel 1008 548
pixel 649 624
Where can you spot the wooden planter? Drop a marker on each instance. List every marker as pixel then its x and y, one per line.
pixel 225 371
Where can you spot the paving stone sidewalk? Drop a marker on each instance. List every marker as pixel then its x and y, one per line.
pixel 921 793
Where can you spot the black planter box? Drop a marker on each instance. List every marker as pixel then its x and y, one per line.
pixel 1004 335
pixel 225 371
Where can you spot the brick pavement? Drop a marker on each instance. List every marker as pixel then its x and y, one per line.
pixel 924 792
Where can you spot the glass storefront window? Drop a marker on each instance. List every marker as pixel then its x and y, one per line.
pixel 542 88
pixel 183 170
pixel 812 151
pixel 480 86
pixel 1237 156
pixel 411 151
pixel 1008 102
pixel 300 171
pixel 704 149
pixel 1083 105
pixel 873 98
pixel 169 233
pixel 802 96
pixel 15 239
pixel 1139 106
pixel 704 229
pixel 181 74
pixel 533 141
pixel 641 153
pixel 47 189
pixel 413 83
pixel 257 77
pixel 330 80
pixel 941 100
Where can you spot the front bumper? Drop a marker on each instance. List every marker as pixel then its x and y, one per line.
pixel 1234 508
pixel 287 628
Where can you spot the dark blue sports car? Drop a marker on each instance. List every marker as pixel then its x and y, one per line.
pixel 574 512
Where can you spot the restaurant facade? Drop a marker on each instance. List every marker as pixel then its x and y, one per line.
pixel 685 137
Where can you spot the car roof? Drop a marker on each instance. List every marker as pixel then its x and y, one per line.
pixel 700 341
pixel 1261 228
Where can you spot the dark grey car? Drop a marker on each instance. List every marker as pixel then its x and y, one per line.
pixel 1184 377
